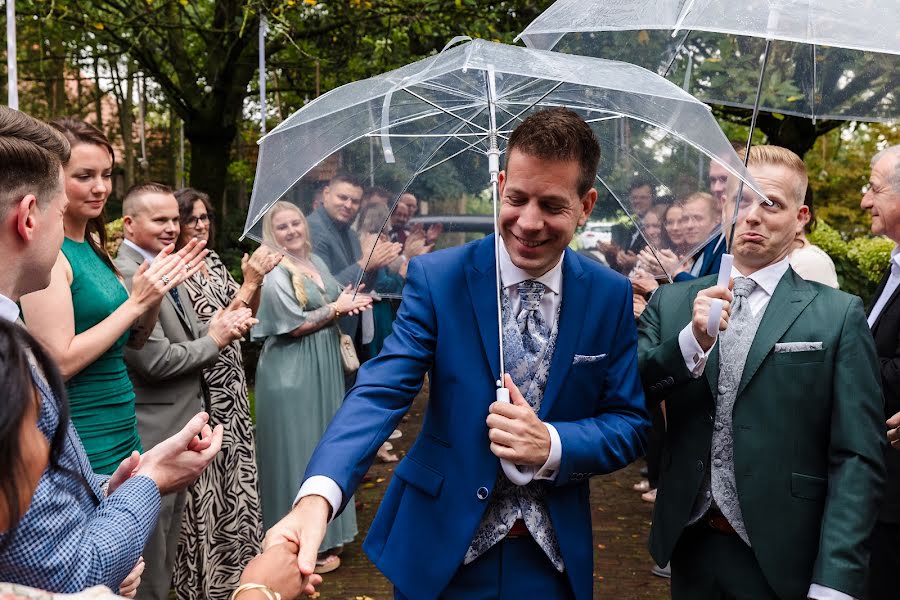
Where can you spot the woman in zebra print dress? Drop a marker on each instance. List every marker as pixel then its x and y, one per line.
pixel 222 526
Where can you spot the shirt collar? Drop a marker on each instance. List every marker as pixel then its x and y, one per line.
pixel 512 275
pixel 768 277
pixel 9 310
pixel 895 260
pixel 139 250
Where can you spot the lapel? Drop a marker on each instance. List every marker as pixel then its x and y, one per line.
pixel 887 305
pixel 482 282
pixel 335 235
pixel 132 255
pixel 575 295
pixel 791 297
pixel 481 277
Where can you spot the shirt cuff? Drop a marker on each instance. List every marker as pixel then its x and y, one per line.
pixel 551 468
pixel 319 485
pixel 693 354
pixel 818 592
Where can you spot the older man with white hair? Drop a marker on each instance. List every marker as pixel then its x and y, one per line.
pixel 882 200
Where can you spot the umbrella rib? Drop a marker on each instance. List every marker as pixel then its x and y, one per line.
pixel 529 107
pixel 452 156
pixel 442 109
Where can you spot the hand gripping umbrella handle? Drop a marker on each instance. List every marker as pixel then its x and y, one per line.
pixel 517 474
pixel 715 307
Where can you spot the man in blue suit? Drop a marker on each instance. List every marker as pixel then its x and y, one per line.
pixel 451 525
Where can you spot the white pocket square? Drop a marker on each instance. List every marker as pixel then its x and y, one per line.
pixel 581 359
pixel 797 347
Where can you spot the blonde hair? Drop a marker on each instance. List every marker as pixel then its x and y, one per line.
pixel 269 238
pixel 712 203
pixel 780 157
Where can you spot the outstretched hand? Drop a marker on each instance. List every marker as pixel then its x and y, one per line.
pixel 304 528
pixel 176 462
pixel 515 431
pixel 277 569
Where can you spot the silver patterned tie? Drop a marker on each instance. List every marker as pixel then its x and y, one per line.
pixel 531 322
pixel 735 343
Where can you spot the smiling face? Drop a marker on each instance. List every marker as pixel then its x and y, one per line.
pixel 652 228
pixel 342 201
pixel 641 199
pixel 155 222
pixel 698 221
pixel 197 225
pixel 540 210
pixel 88 180
pixel 673 225
pixel 289 232
pixel 765 233
pixel 882 200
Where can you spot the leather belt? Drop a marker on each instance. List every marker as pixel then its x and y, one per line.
pixel 518 530
pixel 717 522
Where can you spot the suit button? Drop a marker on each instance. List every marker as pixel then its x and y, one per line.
pixel 482 493
pixel 700 466
pixel 670 380
pixel 723 389
pixel 718 462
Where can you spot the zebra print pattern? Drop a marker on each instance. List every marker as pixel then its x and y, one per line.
pixel 222 525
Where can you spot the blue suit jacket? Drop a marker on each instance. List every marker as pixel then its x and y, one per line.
pixel 447 325
pixel 712 259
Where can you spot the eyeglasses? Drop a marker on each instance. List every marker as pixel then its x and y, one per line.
pixel 194 221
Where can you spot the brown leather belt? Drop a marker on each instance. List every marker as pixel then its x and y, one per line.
pixel 518 530
pixel 718 522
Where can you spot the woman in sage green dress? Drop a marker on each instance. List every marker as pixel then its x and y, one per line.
pixel 299 377
pixel 85 317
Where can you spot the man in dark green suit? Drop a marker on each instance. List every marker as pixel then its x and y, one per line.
pixel 772 468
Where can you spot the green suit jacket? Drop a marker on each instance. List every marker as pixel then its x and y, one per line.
pixel 808 428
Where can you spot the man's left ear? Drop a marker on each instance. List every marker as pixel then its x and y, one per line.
pixel 587 205
pixel 803 218
pixel 26 217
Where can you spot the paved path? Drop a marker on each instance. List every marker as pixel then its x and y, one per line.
pixel 621 522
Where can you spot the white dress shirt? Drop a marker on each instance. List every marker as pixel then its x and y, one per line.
pixel 9 310
pixel 510 276
pixel 695 360
pixel 889 288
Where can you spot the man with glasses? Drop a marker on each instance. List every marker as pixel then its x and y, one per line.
pixel 882 200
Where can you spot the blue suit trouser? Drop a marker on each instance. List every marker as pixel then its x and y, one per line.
pixel 512 569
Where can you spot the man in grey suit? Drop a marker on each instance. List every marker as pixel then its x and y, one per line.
pixel 167 371
pixel 339 246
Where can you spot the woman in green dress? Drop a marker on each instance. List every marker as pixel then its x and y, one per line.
pixel 299 378
pixel 85 317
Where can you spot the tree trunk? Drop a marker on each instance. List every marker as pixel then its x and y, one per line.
pixel 210 152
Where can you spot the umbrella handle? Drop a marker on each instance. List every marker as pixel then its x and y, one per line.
pixel 517 474
pixel 715 307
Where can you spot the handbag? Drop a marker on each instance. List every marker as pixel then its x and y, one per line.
pixel 349 359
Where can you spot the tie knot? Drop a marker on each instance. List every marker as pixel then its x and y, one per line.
pixel 743 286
pixel 530 294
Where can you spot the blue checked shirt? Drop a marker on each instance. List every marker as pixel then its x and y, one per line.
pixel 73 537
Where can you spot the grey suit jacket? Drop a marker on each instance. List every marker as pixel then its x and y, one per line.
pixel 168 371
pixel 327 240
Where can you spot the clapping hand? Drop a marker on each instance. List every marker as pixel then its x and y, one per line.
pixel 662 264
pixel 350 303
pixel 377 251
pixel 255 266
pixel 153 280
pixel 176 462
pixel 893 433
pixel 416 243
pixel 230 325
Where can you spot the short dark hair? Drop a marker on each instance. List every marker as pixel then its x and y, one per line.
pixel 18 389
pixel 639 182
pixel 346 178
pixel 138 190
pixel 187 197
pixel 31 153
pixel 77 132
pixel 559 134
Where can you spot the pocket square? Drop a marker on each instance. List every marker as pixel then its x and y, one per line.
pixel 581 359
pixel 797 347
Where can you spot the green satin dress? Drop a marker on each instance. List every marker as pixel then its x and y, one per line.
pixel 299 388
pixel 101 397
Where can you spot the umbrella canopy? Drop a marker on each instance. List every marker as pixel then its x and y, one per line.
pixel 834 59
pixel 428 129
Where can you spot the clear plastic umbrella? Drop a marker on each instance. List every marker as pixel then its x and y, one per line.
pixel 824 59
pixel 437 130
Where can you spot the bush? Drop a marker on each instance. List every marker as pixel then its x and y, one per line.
pixel 860 263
